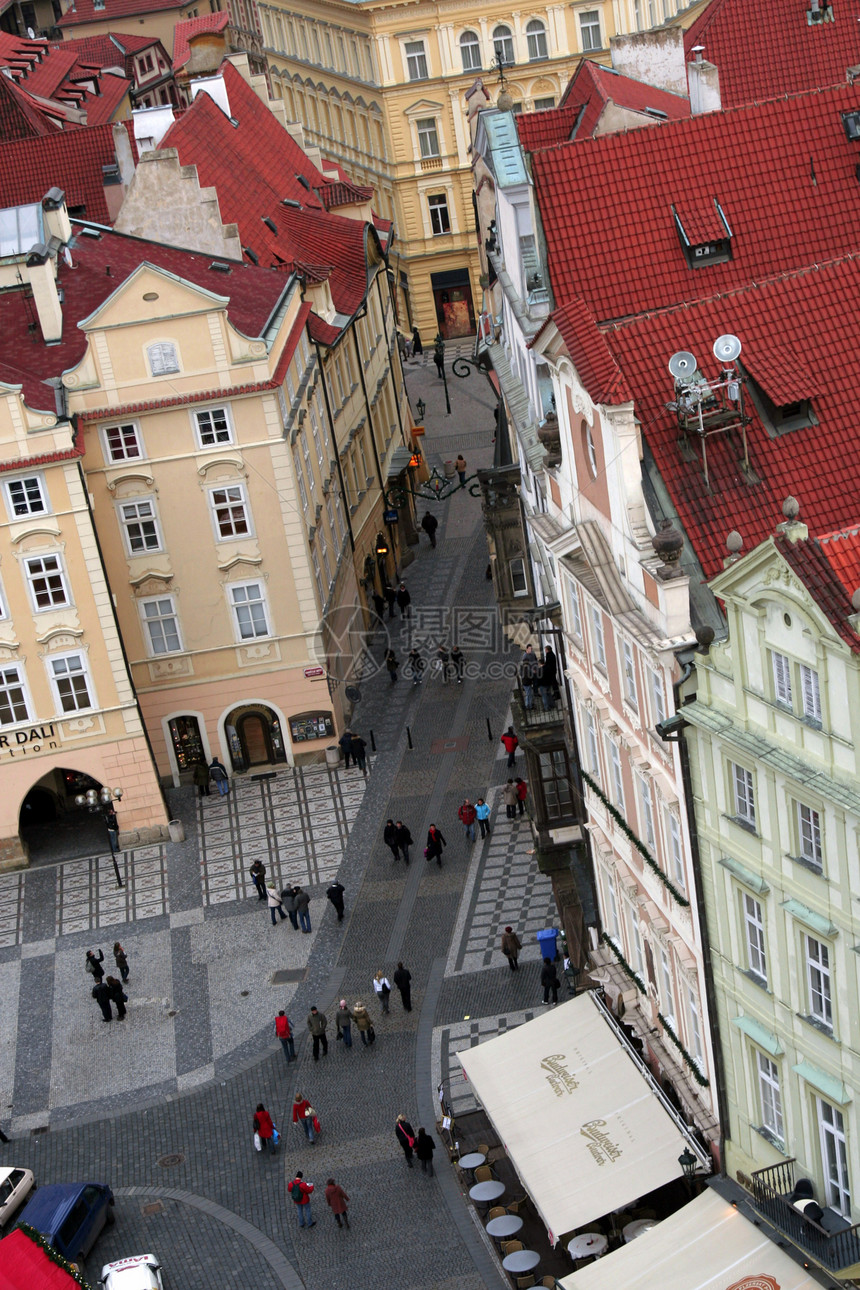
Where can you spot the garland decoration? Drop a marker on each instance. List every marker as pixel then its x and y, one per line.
pixel 54 1255
pixel 625 966
pixel 691 1061
pixel 646 855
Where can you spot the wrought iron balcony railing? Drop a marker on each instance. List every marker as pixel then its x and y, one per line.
pixel 833 1243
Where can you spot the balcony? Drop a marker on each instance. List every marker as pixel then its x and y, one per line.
pixel 831 1242
pixel 538 717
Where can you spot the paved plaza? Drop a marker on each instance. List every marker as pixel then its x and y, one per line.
pixel 160 1105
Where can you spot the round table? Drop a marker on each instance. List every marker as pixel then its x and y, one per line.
pixel 472 1161
pixel 504 1227
pixel 484 1192
pixel 637 1228
pixel 586 1244
pixel 521 1261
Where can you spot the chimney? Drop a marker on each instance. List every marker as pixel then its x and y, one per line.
pixel 55 216
pixel 40 272
pixel 703 79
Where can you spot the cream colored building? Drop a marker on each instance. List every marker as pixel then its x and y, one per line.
pixel 382 89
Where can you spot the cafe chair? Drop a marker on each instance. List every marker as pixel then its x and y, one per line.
pixel 484 1174
pixel 498 1211
pixel 517 1206
pixel 511 1247
pixel 548 1282
pixel 484 1148
pixel 525 1282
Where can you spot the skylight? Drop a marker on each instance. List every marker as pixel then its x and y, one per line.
pixel 20 229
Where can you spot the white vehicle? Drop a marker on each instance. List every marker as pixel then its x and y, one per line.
pixel 140 1272
pixel 15 1187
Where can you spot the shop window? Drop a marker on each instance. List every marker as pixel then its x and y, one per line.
pixel 311 725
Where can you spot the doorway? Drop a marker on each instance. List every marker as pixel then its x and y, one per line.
pixel 255 737
pixel 452 296
pixel 52 827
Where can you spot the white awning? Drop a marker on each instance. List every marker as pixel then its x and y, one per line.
pixel 707 1245
pixel 583 1127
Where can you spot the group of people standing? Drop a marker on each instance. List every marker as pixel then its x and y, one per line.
pixel 109 990
pixel 354 748
pixel 293 901
pixel 539 673
pixel 389 596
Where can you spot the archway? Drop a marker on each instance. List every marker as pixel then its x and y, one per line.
pixel 52 827
pixel 255 737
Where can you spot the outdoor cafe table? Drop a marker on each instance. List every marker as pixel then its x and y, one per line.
pixel 637 1228
pixel 586 1244
pixel 504 1227
pixel 521 1261
pixel 472 1161
pixel 484 1192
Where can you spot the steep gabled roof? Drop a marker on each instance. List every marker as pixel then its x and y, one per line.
pixel 71 160
pixel 84 11
pixel 20 117
pixel 764 48
pixel 782 173
pixel 590 354
pixel 812 561
pixel 113 49
pixel 58 78
pixel 184 32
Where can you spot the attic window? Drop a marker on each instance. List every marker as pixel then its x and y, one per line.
pixel 704 232
pixel 218 266
pixel 782 390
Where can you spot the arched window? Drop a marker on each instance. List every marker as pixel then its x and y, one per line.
pixel 162 358
pixel 503 44
pixel 470 52
pixel 536 37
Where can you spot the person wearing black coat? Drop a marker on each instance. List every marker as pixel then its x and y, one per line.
pixel 404 600
pixel 379 604
pixel 118 996
pixel 403 839
pixel 389 837
pixel 102 996
pixel 417 347
pixel 402 979
pixel 406 1137
pixel 391 597
pixel 548 682
pixel 549 980
pixel 94 965
pixel 424 1148
pixel 435 843
pixel 430 524
pixel 335 895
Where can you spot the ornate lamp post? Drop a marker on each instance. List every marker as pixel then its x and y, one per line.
pixel 420 409
pixel 689 1164
pixel 439 359
pixel 101 801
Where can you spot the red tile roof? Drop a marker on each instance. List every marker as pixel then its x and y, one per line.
pixel 804 314
pixel 71 160
pixel 84 11
pixel 764 48
pixel 186 31
pixel 590 354
pixel 783 173
pixel 813 562
pixel 344 194
pixel 253 294
pixel 20 117
pixel 113 49
pixel 58 75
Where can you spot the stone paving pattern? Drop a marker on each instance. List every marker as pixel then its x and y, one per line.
pixel 181 1077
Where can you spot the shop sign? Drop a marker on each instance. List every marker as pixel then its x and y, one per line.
pixel 314 673
pixel 31 740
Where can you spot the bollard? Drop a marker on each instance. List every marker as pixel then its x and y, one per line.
pixel 408 738
pixel 489 730
pixel 372 742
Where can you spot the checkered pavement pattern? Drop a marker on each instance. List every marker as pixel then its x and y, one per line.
pixel 11 908
pixel 453 1039
pixel 88 897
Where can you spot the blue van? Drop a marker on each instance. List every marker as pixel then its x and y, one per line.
pixel 70 1216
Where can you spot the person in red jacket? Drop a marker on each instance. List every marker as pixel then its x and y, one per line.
pixel 284 1031
pixel 337 1201
pixel 522 793
pixel 468 815
pixel 435 843
pixel 303 1115
pixel 300 1194
pixel 265 1127
pixel 511 743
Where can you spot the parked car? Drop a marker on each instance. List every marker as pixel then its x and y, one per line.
pixel 139 1272
pixel 15 1187
pixel 70 1216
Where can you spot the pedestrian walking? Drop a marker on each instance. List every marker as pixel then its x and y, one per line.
pixel 302 900
pixel 389 837
pixel 337 1201
pixel 300 1194
pixel 510 797
pixel 416 666
pixel 403 839
pixel 391 597
pixel 550 982
pixel 511 744
pixel 468 815
pixel 345 742
pixel 430 524
pixel 94 965
pixel 288 900
pixel 382 986
pixel 359 752
pixel 404 600
pixel 264 1127
pixel 522 793
pixel 200 776
pixel 460 467
pixel 435 843
pixel 284 1032
pixel 424 1148
pixel 406 1137
pixel 218 772
pixel 101 994
pixel 273 901
pixel 335 894
pixel 118 996
pixel 417 347
pixel 363 1024
pixel 392 664
pixel 511 946
pixel 457 663
pixel 483 813
pixel 303 1114
pixel 120 958
pixel 443 659
pixel 403 979
pixel 343 1021
pixel 317 1022
pixel 379 604
pixel 439 360
pixel 258 877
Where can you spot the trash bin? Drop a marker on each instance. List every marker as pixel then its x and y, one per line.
pixel 546 940
pixel 176 829
pixel 332 755
pixel 449 470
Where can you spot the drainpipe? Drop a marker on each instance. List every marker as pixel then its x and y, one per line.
pixel 338 466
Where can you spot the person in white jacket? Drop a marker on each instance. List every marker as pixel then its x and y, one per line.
pixel 273 900
pixel 382 986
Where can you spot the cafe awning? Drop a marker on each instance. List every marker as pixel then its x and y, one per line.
pixel 586 1131
pixel 707 1245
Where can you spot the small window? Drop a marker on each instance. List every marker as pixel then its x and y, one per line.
pixel 591 741
pixel 300 479
pixel 575 616
pixel 544 105
pixel 428 139
pixel 695 1035
pixel 598 638
pixel 743 795
pixel 646 811
pixel 630 692
pixel 47 582
pixel 658 699
pixel 809 836
pixel 555 784
pixel 163 358
pixel 416 60
pixel 162 625
pixel 811 694
pixel 230 509
pixel 26 496
pixel 667 994
pixel 440 221
pixel 755 938
pixel 13 697
pixel 519 581
pixel 676 849
pixel 616 773
pixel 536 40
pixel 470 52
pixel 69 677
pixel 818 981
pixel 122 443
pixel 140 527
pixel 503 45
pixel 613 929
pixel 834 1154
pixel 771 1098
pixel 213 427
pixel 249 610
pixel 589 30
pixel 781 678
pixel 589 448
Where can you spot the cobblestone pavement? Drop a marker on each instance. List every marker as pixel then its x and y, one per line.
pixel 161 1104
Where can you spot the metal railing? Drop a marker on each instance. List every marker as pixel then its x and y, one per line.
pixel 539 716
pixel 771 1189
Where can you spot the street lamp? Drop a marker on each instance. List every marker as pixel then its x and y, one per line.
pixel 381 546
pixel 689 1164
pixel 420 409
pixel 439 359
pixel 102 801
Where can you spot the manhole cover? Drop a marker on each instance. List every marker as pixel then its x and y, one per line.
pixel 171 1161
pixel 459 744
pixel 285 975
pixel 244 993
pixel 154 1207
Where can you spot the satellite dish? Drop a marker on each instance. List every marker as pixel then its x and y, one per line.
pixel 727 348
pixel 67 256
pixel 682 365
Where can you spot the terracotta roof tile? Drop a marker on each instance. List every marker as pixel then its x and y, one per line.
pixel 590 354
pixel 71 160
pixel 20 117
pixel 84 11
pixel 186 31
pixel 813 562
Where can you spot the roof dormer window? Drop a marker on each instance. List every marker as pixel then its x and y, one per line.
pixel 782 389
pixel 704 231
